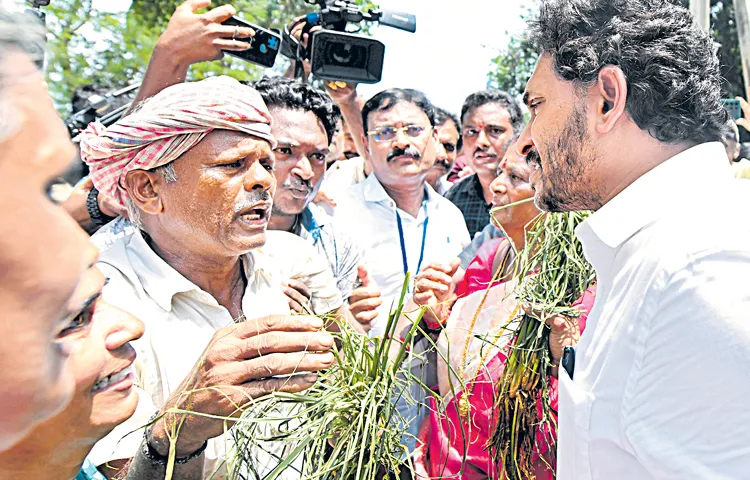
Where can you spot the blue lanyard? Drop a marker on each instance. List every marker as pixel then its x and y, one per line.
pixel 403 243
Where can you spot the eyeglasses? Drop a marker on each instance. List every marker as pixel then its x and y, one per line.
pixel 492 131
pixel 384 134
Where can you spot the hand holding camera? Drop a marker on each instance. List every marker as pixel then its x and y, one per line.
pixel 192 38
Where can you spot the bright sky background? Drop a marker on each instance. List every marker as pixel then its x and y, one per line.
pixel 449 56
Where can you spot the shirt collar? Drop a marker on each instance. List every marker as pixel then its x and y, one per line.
pixel 674 183
pixel 374 192
pixel 162 282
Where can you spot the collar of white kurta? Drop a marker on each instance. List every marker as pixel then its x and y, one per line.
pixel 373 191
pixel 162 282
pixel 678 182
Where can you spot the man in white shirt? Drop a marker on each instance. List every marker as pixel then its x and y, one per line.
pixel 398 220
pixel 194 167
pixel 625 121
pixel 401 223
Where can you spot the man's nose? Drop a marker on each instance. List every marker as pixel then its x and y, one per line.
pixel 525 143
pixel 303 168
pixel 258 178
pixel 441 152
pixel 482 139
pixel 497 186
pixel 401 139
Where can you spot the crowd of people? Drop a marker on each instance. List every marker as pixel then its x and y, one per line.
pixel 226 231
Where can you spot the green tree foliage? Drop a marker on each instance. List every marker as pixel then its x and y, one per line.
pixel 89 46
pixel 724 31
pixel 514 65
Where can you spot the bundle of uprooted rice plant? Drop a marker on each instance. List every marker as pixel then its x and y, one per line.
pixel 345 427
pixel 553 273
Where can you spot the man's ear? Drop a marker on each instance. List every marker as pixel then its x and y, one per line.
pixel 611 93
pixel 366 143
pixel 143 187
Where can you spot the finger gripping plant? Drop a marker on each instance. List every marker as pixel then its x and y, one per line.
pixel 553 274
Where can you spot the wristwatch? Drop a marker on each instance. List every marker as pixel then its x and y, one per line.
pixel 98 219
pixel 150 453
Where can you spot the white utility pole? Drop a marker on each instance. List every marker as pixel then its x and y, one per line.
pixel 742 15
pixel 702 12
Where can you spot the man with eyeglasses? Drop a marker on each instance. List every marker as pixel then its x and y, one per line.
pixel 490 118
pixel 399 221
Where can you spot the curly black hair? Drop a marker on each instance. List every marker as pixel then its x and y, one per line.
pixel 670 63
pixel 504 99
pixel 386 99
pixel 442 116
pixel 296 95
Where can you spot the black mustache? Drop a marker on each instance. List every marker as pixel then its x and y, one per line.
pixel 444 163
pixel 297 184
pixel 533 157
pixel 487 150
pixel 409 151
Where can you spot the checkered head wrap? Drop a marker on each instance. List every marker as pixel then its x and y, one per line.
pixel 168 125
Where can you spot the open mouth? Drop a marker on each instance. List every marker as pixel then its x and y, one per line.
pixel 484 156
pixel 118 378
pixel 258 213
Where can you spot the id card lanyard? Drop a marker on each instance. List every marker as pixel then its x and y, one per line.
pixel 403 243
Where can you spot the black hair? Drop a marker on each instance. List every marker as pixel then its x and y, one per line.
pixel 296 95
pixel 504 99
pixel 442 116
pixel 386 99
pixel 670 63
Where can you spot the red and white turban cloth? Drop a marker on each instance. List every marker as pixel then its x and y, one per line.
pixel 167 125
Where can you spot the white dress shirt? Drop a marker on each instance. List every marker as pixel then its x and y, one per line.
pixel 181 319
pixel 662 377
pixel 370 215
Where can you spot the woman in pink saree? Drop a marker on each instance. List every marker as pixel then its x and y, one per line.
pixel 453 438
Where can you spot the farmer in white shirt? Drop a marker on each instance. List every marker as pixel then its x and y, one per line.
pixel 625 121
pixel 194 167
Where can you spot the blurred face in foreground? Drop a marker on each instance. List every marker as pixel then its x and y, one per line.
pixel 43 254
pixel 100 361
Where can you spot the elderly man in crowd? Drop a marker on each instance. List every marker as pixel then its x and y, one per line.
pixel 449 143
pixel 304 122
pixel 194 167
pixel 626 121
pixel 43 253
pixel 489 120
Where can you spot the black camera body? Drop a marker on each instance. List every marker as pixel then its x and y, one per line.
pixel 336 54
pixel 346 56
pixel 264 46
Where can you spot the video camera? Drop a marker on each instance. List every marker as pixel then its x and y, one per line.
pixel 107 109
pixel 336 54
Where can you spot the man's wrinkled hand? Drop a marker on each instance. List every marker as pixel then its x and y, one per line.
pixel 193 38
pixel 564 332
pixel 242 362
